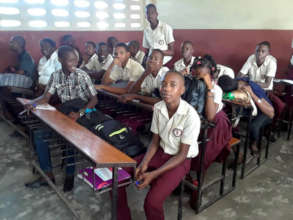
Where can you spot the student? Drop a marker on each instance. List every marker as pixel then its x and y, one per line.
pixel 258 95
pixel 122 68
pixel 175 127
pixel 135 52
pixel 221 133
pixel 69 41
pixel 219 70
pixel 99 63
pixel 111 44
pixel 148 85
pixel 89 53
pixel 158 35
pixel 69 83
pixel 183 65
pixel 24 73
pixel 49 63
pixel 261 67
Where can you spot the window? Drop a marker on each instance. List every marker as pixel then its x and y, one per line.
pixel 72 14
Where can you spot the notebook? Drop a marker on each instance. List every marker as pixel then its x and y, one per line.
pixel 101 178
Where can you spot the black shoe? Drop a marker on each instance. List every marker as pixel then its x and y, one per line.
pixel 38 183
pixel 68 183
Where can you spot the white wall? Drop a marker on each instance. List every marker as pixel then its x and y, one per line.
pixel 227 14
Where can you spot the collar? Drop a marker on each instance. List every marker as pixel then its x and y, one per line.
pixel 181 110
pixel 267 60
pixel 128 64
pixel 159 25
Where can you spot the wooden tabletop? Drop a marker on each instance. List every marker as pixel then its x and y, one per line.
pixel 95 148
pixel 144 106
pixel 237 103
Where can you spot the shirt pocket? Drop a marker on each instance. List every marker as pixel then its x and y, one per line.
pixel 160 42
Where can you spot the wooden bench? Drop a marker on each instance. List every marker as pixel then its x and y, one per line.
pixel 94 148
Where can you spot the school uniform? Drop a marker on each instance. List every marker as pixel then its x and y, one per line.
pixel 259 73
pixel 219 135
pixel 52 65
pixel 224 70
pixel 150 83
pixel 182 127
pixel 95 65
pixel 158 38
pixel 42 62
pixel 180 65
pixel 131 72
pixel 25 63
pixel 77 85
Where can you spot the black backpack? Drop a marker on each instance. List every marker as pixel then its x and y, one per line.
pixel 120 137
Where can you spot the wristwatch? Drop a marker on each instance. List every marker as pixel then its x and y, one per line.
pixel 211 90
pixel 82 113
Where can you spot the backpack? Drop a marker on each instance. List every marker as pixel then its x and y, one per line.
pixel 120 137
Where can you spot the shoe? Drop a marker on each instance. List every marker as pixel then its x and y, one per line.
pixel 68 183
pixel 40 182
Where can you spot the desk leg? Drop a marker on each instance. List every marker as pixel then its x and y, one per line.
pixel 115 193
pixel 246 147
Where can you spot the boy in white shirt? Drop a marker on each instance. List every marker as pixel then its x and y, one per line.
pixel 261 67
pixel 49 63
pixel 98 63
pixel 122 68
pixel 149 83
pixel 158 35
pixel 135 52
pixel 183 65
pixel 175 127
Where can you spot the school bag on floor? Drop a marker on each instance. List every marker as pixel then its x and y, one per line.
pixel 120 137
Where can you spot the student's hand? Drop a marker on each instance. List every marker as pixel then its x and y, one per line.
pixel 247 89
pixel 145 179
pixel 207 80
pixel 11 69
pixel 149 68
pixel 99 87
pixel 126 98
pixel 117 62
pixel 30 106
pixel 74 115
pixel 184 71
pixel 140 170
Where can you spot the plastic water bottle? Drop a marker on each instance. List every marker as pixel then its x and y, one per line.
pixel 228 96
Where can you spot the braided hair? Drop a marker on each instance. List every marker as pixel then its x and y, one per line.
pixel 205 61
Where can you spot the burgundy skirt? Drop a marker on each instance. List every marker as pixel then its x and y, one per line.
pixel 218 146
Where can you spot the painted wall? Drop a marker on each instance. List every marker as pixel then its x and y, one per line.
pixel 227 14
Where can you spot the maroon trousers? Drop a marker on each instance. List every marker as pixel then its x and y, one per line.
pixel 160 189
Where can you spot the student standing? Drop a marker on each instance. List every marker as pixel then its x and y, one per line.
pixel 158 35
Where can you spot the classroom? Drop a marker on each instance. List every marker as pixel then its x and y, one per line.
pixel 146 109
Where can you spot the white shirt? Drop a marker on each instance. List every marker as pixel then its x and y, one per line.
pixel 158 38
pixel 150 83
pixel 224 70
pixel 95 65
pixel 259 74
pixel 52 65
pixel 183 127
pixel 180 65
pixel 42 62
pixel 218 95
pixel 139 56
pixel 131 72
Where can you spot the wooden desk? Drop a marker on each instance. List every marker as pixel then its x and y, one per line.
pixel 96 149
pixel 133 102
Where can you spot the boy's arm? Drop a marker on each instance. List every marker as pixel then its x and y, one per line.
pixel 142 98
pixel 106 80
pixel 267 82
pixel 135 88
pixel 170 51
pixel 115 90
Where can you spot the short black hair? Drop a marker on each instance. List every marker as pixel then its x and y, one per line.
pixel 66 37
pixel 148 6
pixel 121 44
pixel 159 51
pixel 227 83
pixel 49 41
pixel 206 61
pixel 64 50
pixel 177 74
pixel 134 43
pixel 187 42
pixel 19 40
pixel 91 43
pixel 110 39
pixel 101 44
pixel 265 43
